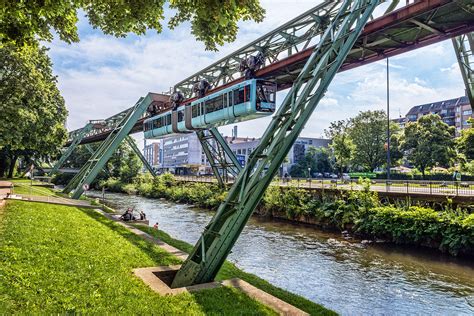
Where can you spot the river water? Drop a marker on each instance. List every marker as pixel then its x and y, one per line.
pixel 325 268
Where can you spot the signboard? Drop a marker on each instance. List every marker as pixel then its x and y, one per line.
pixel 241 159
pixel 85 187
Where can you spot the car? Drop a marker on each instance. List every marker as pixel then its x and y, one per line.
pixel 333 176
pixel 346 176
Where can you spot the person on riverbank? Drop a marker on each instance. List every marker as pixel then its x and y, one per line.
pixel 127 216
pixel 142 215
pixel 155 226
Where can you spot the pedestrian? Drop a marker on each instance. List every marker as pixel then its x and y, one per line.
pixel 142 215
pixel 155 226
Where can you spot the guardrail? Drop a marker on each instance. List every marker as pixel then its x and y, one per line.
pixel 428 187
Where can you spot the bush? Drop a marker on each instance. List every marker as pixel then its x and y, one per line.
pixel 451 231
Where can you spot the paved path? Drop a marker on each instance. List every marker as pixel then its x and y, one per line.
pixel 51 200
pixel 5 189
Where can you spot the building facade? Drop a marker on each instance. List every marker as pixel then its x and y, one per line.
pixel 151 152
pixel 183 154
pixel 454 112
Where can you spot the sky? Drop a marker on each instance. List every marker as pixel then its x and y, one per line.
pixel 103 75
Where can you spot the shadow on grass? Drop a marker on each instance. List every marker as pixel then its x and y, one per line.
pixel 160 257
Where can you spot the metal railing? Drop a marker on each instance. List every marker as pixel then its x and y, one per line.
pixel 447 188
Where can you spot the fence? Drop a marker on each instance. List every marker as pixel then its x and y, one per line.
pixel 448 188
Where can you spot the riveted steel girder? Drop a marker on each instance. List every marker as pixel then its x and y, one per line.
pixel 464 48
pixel 247 191
pixel 76 138
pixel 137 151
pixel 288 39
pixel 100 157
pixel 218 153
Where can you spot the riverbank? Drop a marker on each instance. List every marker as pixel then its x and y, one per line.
pixel 58 259
pixel 361 213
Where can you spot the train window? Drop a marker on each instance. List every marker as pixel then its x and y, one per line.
pixel 180 116
pixel 214 104
pixel 242 95
pixel 195 110
pixel 168 119
pixel 266 92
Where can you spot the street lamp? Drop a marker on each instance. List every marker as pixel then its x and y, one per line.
pixel 309 173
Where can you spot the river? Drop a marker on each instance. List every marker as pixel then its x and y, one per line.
pixel 342 275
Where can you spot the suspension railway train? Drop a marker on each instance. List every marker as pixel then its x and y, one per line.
pixel 243 101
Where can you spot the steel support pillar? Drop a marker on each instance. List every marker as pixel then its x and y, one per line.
pixel 464 49
pixel 218 153
pixel 75 141
pixel 137 151
pixel 221 233
pixel 100 157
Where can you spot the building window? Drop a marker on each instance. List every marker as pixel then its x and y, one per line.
pixel 466 123
pixel 467 112
pixel 412 117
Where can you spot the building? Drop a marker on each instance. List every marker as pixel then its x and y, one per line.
pixel 183 154
pixel 151 152
pixel 454 112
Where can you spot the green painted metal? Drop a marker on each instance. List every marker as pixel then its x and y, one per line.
pixel 100 157
pixel 89 148
pixel 286 40
pixel 222 232
pixel 464 49
pixel 218 153
pixel 76 138
pixel 137 151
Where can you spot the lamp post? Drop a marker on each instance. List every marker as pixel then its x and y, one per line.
pixel 388 122
pixel 309 173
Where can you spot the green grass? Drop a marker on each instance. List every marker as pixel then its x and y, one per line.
pixel 229 271
pixel 58 259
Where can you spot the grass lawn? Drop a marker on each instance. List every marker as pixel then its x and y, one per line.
pixel 229 271
pixel 59 259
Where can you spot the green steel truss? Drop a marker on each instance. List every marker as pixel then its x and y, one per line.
pixel 100 157
pixel 464 48
pixel 75 138
pixel 137 151
pixel 292 37
pixel 218 153
pixel 225 227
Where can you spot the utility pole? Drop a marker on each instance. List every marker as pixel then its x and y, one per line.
pixel 388 122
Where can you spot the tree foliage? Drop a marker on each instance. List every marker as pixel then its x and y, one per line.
pixel 33 112
pixel 213 22
pixel 368 132
pixel 465 143
pixel 315 159
pixel 428 142
pixel 341 146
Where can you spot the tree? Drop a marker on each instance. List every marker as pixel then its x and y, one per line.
pixel 341 146
pixel 428 142
pixel 368 132
pixel 33 112
pixel 465 143
pixel 213 22
pixel 323 163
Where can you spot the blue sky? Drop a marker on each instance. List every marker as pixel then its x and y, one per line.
pixel 102 75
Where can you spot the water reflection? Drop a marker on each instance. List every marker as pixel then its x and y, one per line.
pixel 345 276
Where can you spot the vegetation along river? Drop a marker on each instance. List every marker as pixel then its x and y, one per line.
pixel 345 276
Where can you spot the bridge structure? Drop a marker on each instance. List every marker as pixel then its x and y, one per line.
pixel 303 55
